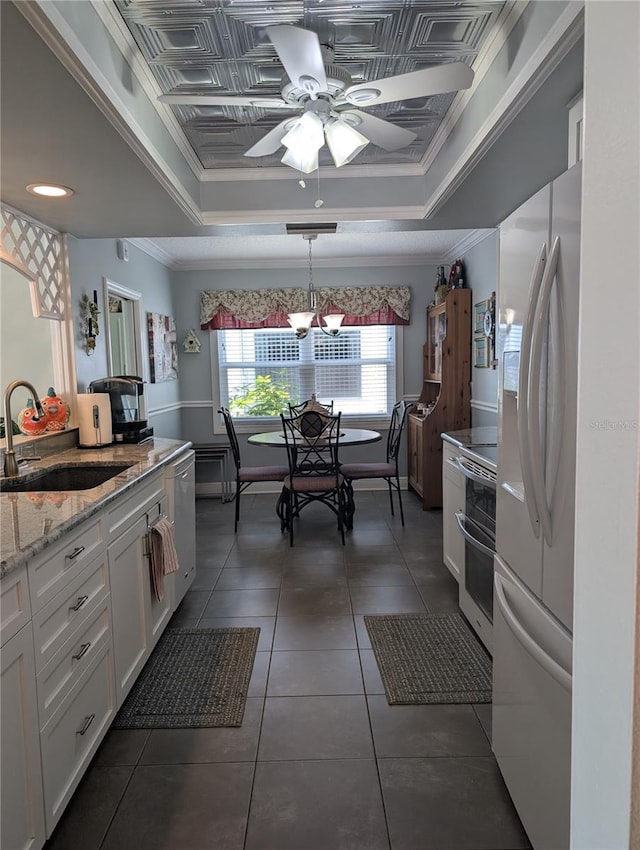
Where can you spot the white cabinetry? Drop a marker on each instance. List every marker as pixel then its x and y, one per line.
pixel 138 618
pixel 77 624
pixel 22 808
pixel 453 491
pixel 181 495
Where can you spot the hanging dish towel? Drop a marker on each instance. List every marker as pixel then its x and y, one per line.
pixel 163 555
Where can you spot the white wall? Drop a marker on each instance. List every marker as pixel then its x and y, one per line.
pixel 90 261
pixel 608 458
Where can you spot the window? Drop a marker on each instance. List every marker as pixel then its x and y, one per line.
pixel 261 370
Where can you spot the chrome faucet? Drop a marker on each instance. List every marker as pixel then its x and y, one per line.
pixel 10 462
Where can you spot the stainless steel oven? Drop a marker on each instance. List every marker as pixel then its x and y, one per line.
pixel 477 525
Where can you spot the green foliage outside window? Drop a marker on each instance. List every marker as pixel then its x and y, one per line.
pixel 264 397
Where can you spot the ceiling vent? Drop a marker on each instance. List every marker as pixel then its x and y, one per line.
pixel 311 229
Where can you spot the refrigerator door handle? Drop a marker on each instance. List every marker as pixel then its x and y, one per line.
pixel 533 403
pixel 523 390
pixel 461 519
pixel 549 664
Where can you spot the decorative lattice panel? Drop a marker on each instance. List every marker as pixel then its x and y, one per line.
pixel 38 252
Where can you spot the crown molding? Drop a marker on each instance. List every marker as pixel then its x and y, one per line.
pixel 505 23
pixel 52 27
pixel 155 251
pixel 468 242
pixel 562 36
pixel 327 172
pixel 277 216
pixel 120 33
pixel 385 261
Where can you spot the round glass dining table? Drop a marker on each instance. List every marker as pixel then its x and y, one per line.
pixel 348 437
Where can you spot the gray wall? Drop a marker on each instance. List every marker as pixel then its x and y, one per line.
pixel 90 261
pixel 481 269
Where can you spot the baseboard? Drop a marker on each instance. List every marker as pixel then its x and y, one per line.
pixel 210 489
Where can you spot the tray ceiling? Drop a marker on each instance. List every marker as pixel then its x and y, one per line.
pixel 220 47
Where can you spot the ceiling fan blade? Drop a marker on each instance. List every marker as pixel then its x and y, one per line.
pixel 444 78
pixel 382 133
pixel 226 100
pixel 271 142
pixel 299 52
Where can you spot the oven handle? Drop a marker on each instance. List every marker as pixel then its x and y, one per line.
pixel 468 473
pixel 460 519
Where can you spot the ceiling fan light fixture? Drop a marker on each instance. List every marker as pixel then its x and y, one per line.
pixel 305 161
pixel 344 142
pixel 306 134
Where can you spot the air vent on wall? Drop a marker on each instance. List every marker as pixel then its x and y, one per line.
pixel 306 229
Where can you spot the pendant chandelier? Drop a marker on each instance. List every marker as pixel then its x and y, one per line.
pixel 301 322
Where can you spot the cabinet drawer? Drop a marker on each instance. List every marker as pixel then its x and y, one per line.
pixel 56 622
pixel 69 664
pixel 15 608
pixel 73 734
pixel 54 568
pixel 132 505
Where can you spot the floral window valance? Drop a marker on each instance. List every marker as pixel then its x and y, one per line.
pixel 268 308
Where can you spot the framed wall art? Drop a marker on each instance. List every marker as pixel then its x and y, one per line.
pixel 163 348
pixel 479 311
pixel 481 353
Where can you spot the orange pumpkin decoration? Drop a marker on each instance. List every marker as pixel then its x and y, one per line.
pixel 29 421
pixel 57 411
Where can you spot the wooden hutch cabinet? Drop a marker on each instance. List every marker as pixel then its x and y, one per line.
pixel 446 370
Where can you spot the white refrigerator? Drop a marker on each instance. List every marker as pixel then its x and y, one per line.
pixel 537 348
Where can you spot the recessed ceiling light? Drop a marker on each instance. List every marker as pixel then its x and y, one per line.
pixel 49 190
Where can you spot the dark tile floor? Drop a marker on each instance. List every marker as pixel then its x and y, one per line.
pixel 321 762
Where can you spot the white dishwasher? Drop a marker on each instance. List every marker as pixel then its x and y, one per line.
pixel 180 477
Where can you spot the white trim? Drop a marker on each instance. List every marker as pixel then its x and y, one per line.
pixel 508 18
pixel 214 488
pixel 303 216
pixel 486 406
pixel 164 408
pixel 65 45
pixel 197 403
pixel 110 286
pixel 562 36
pixel 468 242
pixel 327 172
pixel 153 250
pixel 120 33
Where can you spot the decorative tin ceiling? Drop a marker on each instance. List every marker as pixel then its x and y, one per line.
pixel 220 47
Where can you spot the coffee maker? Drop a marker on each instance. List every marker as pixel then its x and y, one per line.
pixel 128 413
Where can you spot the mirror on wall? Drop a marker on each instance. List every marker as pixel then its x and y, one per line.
pixel 28 344
pixel 124 329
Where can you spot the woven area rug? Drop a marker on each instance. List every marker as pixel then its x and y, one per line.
pixel 429 658
pixel 193 678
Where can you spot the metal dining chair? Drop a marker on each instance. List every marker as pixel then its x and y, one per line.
pixel 312 441
pixel 388 471
pixel 311 404
pixel 247 475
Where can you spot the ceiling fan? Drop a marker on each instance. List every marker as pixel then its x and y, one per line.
pixel 329 102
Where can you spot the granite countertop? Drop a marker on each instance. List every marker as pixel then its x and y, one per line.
pixel 32 521
pixel 486 435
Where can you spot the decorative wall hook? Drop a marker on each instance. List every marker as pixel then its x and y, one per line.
pixel 89 316
pixel 191 342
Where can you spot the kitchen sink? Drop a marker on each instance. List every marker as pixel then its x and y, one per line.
pixel 63 477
